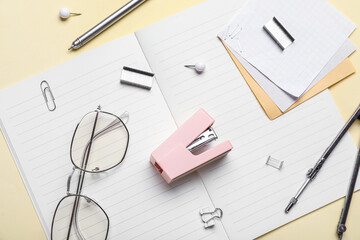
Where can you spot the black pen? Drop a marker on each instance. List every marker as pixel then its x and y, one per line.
pixel 312 172
pixel 341 228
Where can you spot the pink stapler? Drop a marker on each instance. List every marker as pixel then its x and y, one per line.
pixel 174 158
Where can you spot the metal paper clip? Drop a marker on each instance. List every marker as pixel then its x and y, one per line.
pixel 235 31
pixel 48 95
pixel 274 163
pixel 208 217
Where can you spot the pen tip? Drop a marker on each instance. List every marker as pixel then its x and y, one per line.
pixel 70 48
pixel 289 206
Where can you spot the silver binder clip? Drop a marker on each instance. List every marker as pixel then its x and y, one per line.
pixel 48 95
pixel 136 77
pixel 208 217
pixel 278 33
pixel 275 163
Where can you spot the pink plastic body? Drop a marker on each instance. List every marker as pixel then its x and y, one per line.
pixel 173 160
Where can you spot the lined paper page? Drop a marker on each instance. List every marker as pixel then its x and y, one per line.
pixel 252 195
pixel 138 201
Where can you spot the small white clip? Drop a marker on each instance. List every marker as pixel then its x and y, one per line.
pixel 274 163
pixel 208 217
pixel 48 95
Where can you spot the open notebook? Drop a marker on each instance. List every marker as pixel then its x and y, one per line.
pixel 139 203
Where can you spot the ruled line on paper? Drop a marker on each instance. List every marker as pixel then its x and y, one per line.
pixel 304 200
pixel 178 227
pixel 69 132
pixel 210 59
pixel 136 205
pixel 272 142
pixel 286 189
pixel 316 153
pixel 285 178
pixel 58 96
pixel 64 83
pixel 95 88
pixel 193 77
pixel 189 60
pixel 239 168
pixel 244 134
pixel 62 177
pixel 226 14
pixel 158 215
pixel 75 120
pixel 198 34
pixel 201 83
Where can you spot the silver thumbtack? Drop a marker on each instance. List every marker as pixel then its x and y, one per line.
pixel 208 217
pixel 199 67
pixel 65 13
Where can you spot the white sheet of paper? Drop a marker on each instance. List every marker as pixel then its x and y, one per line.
pixel 252 195
pixel 318 28
pixel 281 98
pixel 140 204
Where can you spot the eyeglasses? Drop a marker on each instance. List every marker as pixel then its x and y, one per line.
pixel 99 143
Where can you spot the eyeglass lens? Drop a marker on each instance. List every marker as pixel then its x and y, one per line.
pixel 79 218
pixel 105 149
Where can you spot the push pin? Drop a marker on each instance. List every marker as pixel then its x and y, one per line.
pixel 65 13
pixel 199 67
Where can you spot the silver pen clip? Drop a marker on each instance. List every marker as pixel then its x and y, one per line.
pixel 48 95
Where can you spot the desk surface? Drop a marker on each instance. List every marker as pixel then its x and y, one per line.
pixel 34 39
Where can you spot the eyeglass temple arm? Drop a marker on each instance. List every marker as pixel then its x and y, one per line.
pixel 109 127
pixel 112 124
pixel 73 170
pixel 69 181
pixel 75 223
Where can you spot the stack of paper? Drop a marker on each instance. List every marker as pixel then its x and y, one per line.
pixel 283 78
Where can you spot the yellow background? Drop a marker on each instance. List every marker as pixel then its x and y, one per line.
pixel 33 39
